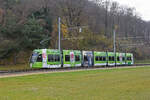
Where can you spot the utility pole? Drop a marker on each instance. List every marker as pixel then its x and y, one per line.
pixel 59 32
pixel 106 15
pixel 114 31
pixel 114 40
pixel 115 44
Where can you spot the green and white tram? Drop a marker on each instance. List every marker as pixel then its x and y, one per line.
pixel 100 58
pixel 71 58
pixel 53 58
pixel 46 58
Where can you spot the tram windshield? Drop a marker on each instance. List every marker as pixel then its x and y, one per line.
pixel 34 57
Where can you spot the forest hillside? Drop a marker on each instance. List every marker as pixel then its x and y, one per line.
pixel 85 25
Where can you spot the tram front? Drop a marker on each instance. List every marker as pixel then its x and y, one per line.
pixel 36 60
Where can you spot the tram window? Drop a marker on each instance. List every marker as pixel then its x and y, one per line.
pixel 109 58
pixel 118 59
pixel 100 58
pixel 33 57
pixel 104 58
pixel 57 58
pixel 77 58
pixel 85 58
pixel 97 58
pixel 123 59
pixel 113 58
pixel 53 58
pixel 39 59
pixel 50 58
pixel 128 58
pixel 67 58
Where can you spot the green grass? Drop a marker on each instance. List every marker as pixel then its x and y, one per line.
pixel 14 67
pixel 112 84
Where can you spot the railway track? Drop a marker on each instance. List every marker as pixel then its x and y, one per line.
pixel 63 69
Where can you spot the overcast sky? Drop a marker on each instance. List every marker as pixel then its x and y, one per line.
pixel 142 7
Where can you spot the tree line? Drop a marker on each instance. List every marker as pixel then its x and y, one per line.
pixel 85 24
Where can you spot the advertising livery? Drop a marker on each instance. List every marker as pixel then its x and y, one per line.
pixel 50 58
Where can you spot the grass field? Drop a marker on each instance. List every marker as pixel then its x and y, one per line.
pixel 112 84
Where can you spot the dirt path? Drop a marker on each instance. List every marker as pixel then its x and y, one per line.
pixel 46 72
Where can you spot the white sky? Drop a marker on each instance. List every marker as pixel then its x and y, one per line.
pixel 142 7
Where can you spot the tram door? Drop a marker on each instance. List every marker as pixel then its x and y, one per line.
pixel 87 58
